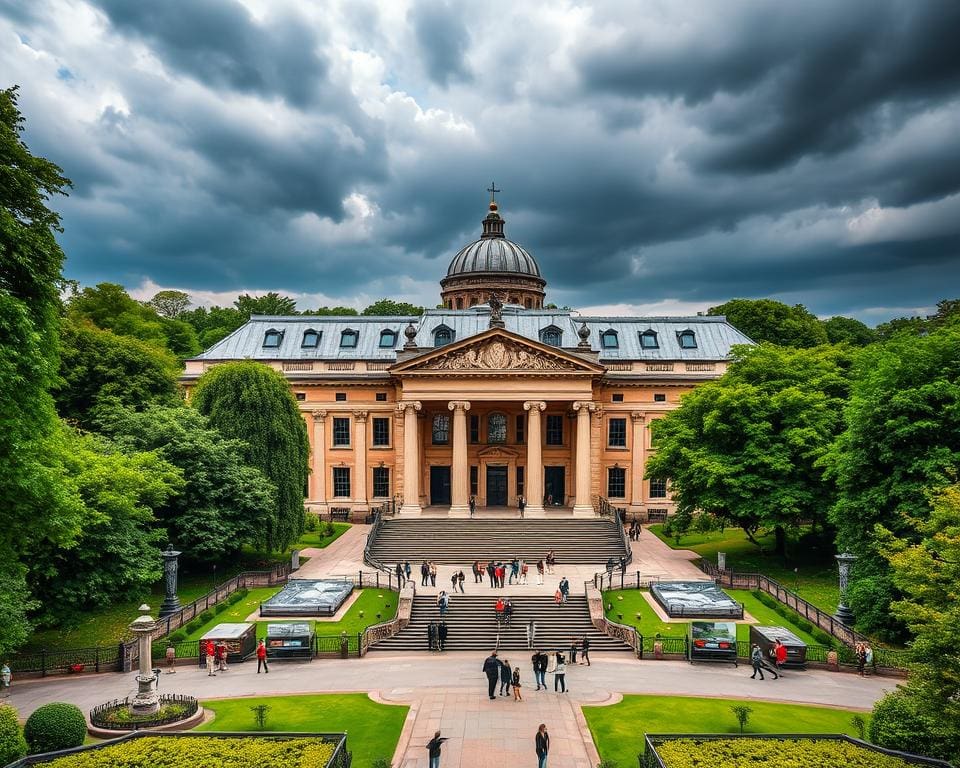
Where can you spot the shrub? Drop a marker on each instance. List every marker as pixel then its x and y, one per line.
pixel 192 626
pixel 381 762
pixel 55 726
pixel 810 753
pixel 904 720
pixel 742 713
pixel 206 616
pixel 704 523
pixel 310 522
pixel 328 529
pixel 12 744
pixel 177 637
pixel 219 608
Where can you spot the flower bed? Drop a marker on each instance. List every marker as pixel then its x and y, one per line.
pixel 117 715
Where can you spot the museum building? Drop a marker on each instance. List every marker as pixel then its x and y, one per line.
pixel 492 396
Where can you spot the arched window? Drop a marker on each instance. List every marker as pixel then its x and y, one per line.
pixel 551 335
pixel 459 302
pixel 349 338
pixel 388 338
pixel 442 335
pixel 527 303
pixel 648 340
pixel 609 339
pixel 496 428
pixel 311 339
pixel 687 339
pixel 272 338
pixel 441 428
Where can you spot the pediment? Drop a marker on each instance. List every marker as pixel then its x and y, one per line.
pixel 498 452
pixel 496 351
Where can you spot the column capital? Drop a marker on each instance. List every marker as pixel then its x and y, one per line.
pixel 459 405
pixel 403 405
pixel 637 416
pixel 360 415
pixel 587 405
pixel 531 405
pixel 319 415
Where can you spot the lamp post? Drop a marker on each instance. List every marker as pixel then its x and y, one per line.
pixel 146 701
pixel 171 603
pixel 844 615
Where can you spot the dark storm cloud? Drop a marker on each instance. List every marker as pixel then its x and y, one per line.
pixel 444 40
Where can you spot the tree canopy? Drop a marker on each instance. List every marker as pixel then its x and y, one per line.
pixel 391 308
pixel 773 321
pixel 253 403
pixel 170 304
pixel 269 304
pixel 847 330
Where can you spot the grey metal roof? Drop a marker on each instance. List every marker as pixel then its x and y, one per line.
pixel 494 254
pixel 714 335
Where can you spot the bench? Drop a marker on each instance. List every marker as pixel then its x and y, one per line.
pixel 340 514
pixel 656 515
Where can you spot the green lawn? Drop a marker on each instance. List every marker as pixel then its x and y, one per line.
pixel 318 540
pixel 370 603
pixel 372 729
pixel 618 730
pixel 815 578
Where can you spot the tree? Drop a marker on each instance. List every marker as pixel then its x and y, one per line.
pixel 745 448
pixel 924 713
pixel 948 313
pixel 253 403
pixel 901 439
pixel 742 713
pixel 847 330
pixel 170 304
pixel 390 308
pixel 336 311
pixel 223 502
pixel 773 321
pixel 268 304
pixel 99 366
pixel 214 323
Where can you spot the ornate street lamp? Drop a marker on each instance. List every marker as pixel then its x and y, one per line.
pixel 171 603
pixel 147 700
pixel 844 615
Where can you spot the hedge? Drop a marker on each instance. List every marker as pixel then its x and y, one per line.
pixel 798 620
pixel 12 744
pixel 783 753
pixel 192 751
pixel 55 726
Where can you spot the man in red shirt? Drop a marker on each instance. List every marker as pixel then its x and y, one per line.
pixel 780 656
pixel 262 657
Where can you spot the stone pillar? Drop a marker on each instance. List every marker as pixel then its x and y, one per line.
pixel 320 456
pixel 460 472
pixel 583 506
pixel 534 476
pixel 411 458
pixel 360 456
pixel 637 459
pixel 147 700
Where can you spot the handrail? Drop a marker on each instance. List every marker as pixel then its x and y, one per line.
pixel 605 509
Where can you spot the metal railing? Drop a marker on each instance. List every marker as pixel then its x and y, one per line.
pixel 616 515
pixel 99 715
pixel 63 660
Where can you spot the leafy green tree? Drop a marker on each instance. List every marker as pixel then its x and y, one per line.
pixel 170 304
pixel 901 439
pixel 100 366
pixel 253 403
pixel 847 330
pixel 224 502
pixel 12 744
pixel 773 321
pixel 948 313
pixel 924 713
pixel 391 308
pixel 336 311
pixel 745 448
pixel 268 304
pixel 213 323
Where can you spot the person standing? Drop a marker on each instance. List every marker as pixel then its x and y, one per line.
pixel 523 572
pixel 564 588
pixel 498 608
pixel 779 656
pixel 399 571
pixel 433 574
pixel 222 656
pixel 508 612
pixel 473 505
pixel 558 597
pixel 424 573
pixel 492 574
pixel 540 567
pixel 560 674
pixel 5 677
pixel 551 561
pixel 262 658
pixel 623 566
pixel 506 675
pixel 515 682
pixel 407 569
pixel 442 636
pixel 573 650
pixel 477 572
pixel 211 657
pixel 521 505
pixel 585 650
pixel 531 633
pixel 540 669
pixel 860 652
pixel 491 668
pixel 431 635
pixel 542 742
pixel 454 578
pixel 460 579
pixel 433 750
pixel 443 601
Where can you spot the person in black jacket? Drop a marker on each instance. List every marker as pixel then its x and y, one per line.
pixel 540 662
pixel 442 635
pixel 506 676
pixel 433 749
pixel 491 668
pixel 542 742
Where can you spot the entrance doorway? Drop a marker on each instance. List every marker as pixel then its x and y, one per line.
pixel 496 486
pixel 439 486
pixel 554 483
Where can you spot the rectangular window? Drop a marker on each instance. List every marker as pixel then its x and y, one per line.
pixel 301 396
pixel 381 432
pixel 618 397
pixel 340 397
pixel 617 433
pixel 474 481
pixel 520 481
pixel 341 482
pixel 341 432
pixel 381 397
pixel 616 482
pixel 441 428
pixel 521 428
pixel 659 398
pixel 474 428
pixel 658 488
pixel 554 430
pixel 381 482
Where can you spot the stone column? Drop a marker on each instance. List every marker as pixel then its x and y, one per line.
pixel 360 456
pixel 534 477
pixel 411 458
pixel 583 506
pixel 320 457
pixel 147 700
pixel 637 459
pixel 460 472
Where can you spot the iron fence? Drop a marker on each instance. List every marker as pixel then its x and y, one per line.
pixel 67 660
pixel 618 579
pixel 100 715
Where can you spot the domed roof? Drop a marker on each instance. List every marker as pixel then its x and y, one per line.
pixel 493 252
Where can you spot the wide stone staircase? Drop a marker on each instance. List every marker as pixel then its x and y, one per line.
pixel 460 542
pixel 472 625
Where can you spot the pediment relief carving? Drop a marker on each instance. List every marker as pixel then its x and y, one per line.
pixel 498 452
pixel 497 355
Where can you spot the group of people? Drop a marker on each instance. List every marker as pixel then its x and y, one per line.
pixel 541 744
pixel 508 677
pixel 499 573
pixel 521 504
pixel 437 635
pixel 563 591
pixel 634 530
pixel 778 655
pixel 216 656
pixel 611 564
pixel 864 656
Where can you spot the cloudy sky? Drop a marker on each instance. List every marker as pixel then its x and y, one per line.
pixel 654 156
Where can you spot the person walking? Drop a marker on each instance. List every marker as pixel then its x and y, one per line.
pixel 171 656
pixel 262 658
pixel 473 505
pixel 460 579
pixel 491 668
pixel 433 749
pixel 564 588
pixel 433 574
pixel 443 602
pixel 221 656
pixel 506 675
pixel 424 573
pixel 542 743
pixel 585 650
pixel 521 505
pixel 514 570
pixel 560 674
pixel 523 572
pixel 492 574
pixel 610 569
pixel 508 612
pixel 515 682
pixel 442 636
pixel 573 650
pixel 540 568
pixel 779 656
pixel 756 660
pixel 531 633
pixel 551 561
pixel 211 654
pixel 498 608
pixel 400 572
pixel 623 566
pixel 407 569
pixel 540 662
pixel 558 597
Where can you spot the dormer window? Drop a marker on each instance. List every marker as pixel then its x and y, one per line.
pixel 648 340
pixel 609 340
pixel 311 339
pixel 687 339
pixel 349 339
pixel 272 338
pixel 388 338
pixel 551 335
pixel 442 335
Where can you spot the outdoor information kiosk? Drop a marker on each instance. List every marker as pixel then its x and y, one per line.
pixel 289 641
pixel 241 640
pixel 766 637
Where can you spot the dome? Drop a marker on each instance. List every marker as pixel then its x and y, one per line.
pixel 493 255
